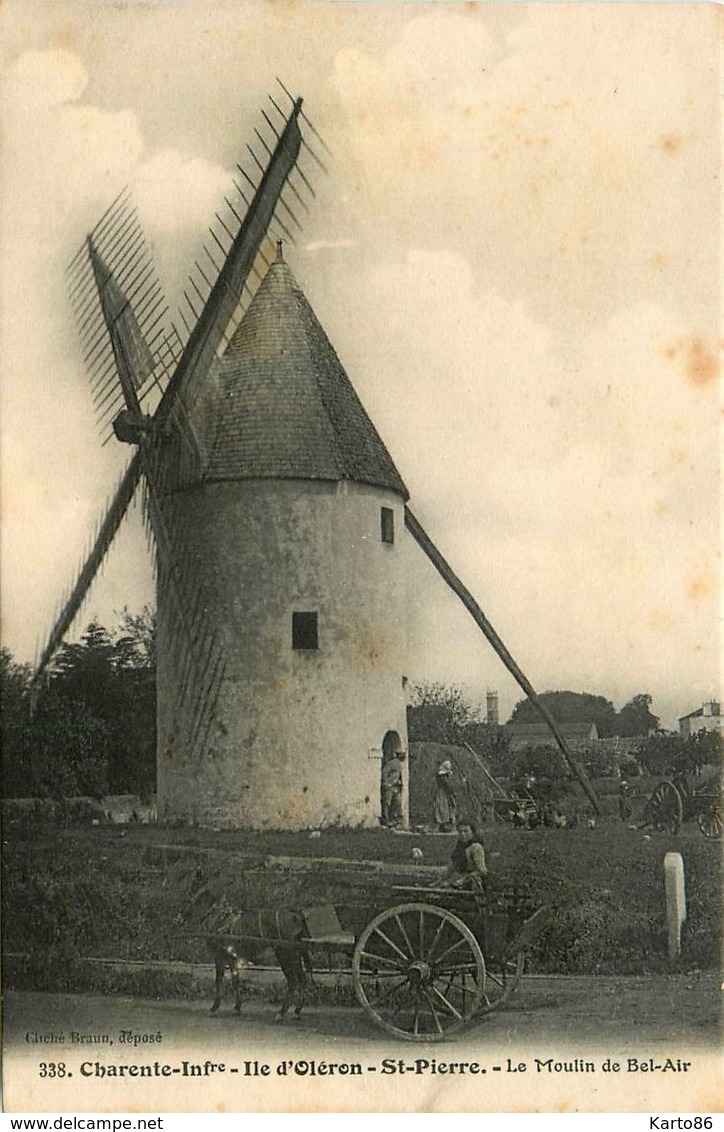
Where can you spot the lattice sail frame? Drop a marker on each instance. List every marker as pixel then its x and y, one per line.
pixel 145 371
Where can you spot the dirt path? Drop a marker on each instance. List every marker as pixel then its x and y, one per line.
pixel 657 1009
pixel 570 1023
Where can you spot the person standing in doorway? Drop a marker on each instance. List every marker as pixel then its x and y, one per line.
pixel 392 790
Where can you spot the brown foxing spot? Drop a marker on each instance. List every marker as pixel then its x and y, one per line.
pixel 672 350
pixel 700 586
pixel 65 35
pixel 701 364
pixel 671 143
pixel 660 621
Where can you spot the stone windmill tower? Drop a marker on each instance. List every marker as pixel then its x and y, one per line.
pixel 276 514
pixel 290 535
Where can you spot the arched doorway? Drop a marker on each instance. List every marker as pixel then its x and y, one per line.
pixel 393 783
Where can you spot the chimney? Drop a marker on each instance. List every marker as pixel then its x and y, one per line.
pixel 491 708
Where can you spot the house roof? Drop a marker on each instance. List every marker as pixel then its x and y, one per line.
pixel 533 730
pixel 284 406
pixel 715 712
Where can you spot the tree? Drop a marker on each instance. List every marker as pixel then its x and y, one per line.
pixel 14 680
pixel 635 717
pixel 92 727
pixel 440 713
pixel 666 754
pixel 704 748
pixel 570 707
pixel 135 644
pixel 53 746
pixel 661 753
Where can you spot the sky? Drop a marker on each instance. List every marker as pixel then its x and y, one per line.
pixel 516 255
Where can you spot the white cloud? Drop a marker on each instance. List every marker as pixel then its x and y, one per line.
pixel 175 191
pixel 581 175
pixel 329 245
pixel 573 492
pixel 43 79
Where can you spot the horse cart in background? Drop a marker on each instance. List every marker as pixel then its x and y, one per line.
pixel 422 968
pixel 681 798
pixel 518 806
pixel 676 800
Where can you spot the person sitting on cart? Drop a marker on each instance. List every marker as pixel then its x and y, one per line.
pixel 467 868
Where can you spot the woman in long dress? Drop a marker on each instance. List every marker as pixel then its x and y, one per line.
pixel 445 808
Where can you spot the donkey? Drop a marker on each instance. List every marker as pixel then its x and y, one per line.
pixel 235 938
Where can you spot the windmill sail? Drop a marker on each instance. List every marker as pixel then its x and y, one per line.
pixel 129 351
pixel 111 522
pixel 426 544
pixel 225 294
pixel 111 276
pixel 134 361
pixel 193 639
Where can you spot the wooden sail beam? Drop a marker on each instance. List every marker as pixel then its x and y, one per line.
pixel 92 564
pixel 130 354
pixel 426 544
pixel 200 350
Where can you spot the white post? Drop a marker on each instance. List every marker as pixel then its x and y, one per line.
pixel 675 900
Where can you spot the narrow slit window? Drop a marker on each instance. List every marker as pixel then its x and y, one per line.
pixel 305 633
pixel 387 524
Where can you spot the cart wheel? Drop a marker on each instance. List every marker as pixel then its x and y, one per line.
pixel 501 979
pixel 710 821
pixel 418 972
pixel 667 810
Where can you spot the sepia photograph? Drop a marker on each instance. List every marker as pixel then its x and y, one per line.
pixel 360 543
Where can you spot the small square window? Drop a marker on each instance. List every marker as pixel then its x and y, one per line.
pixel 387 524
pixel 304 631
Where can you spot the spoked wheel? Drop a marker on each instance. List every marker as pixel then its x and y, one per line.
pixel 418 972
pixel 501 979
pixel 667 810
pixel 710 820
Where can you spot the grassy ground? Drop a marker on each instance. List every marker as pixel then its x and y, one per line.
pixel 126 892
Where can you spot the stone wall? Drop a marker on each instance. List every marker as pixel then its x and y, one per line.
pixel 297 734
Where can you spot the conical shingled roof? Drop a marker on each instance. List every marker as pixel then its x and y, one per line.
pixel 285 406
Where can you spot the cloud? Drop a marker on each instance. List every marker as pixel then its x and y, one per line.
pixel 315 246
pixel 44 79
pixel 175 191
pixel 548 135
pixel 572 491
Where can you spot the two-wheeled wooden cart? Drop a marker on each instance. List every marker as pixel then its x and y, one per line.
pixel 422 968
pixel 680 799
pixel 428 966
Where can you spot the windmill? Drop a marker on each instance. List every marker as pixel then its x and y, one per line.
pixel 272 504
